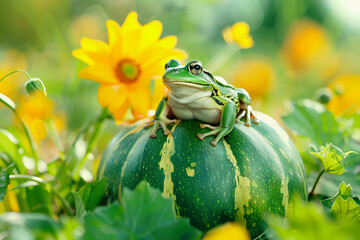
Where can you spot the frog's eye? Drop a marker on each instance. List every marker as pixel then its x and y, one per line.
pixel 167 65
pixel 195 68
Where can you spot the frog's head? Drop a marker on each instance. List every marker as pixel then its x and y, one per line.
pixel 191 75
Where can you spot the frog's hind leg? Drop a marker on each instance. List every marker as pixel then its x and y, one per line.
pixel 226 126
pixel 219 131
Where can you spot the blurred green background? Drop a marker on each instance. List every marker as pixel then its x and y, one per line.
pixel 300 46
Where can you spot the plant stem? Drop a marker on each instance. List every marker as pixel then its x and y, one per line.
pixel 30 139
pixel 315 184
pixel 16 71
pixel 41 181
pixel 70 163
pixel 97 127
pixel 221 57
pixel 56 137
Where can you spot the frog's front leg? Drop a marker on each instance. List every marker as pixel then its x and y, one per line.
pixel 161 120
pixel 227 123
pixel 247 112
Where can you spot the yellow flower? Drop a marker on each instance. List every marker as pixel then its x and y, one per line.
pixel 306 46
pixel 126 66
pixel 240 34
pixel 346 99
pixel 35 110
pixel 256 76
pixel 228 231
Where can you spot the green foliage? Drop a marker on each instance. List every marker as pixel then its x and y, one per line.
pixel 345 209
pixel 343 206
pixel 332 158
pixel 28 226
pixel 89 196
pixel 313 121
pixel 307 222
pixel 7 101
pixel 5 180
pixel 142 214
pixel 345 191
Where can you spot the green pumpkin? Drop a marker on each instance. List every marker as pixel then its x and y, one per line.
pixel 251 172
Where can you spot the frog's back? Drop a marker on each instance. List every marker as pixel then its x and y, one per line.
pixel 227 90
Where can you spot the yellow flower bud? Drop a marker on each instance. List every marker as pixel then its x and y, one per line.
pixel 227 231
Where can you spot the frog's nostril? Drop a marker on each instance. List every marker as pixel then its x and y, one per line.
pixel 176 70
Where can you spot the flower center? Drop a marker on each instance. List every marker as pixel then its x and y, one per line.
pixel 127 70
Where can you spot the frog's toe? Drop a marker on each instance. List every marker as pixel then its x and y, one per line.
pixel 148 124
pixel 213 143
pixel 200 136
pixel 153 135
pixel 248 124
pixel 256 121
pixel 167 132
pixel 202 125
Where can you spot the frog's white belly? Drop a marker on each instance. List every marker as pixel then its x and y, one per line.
pixel 195 105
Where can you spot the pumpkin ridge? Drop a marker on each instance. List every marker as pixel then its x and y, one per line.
pixel 137 150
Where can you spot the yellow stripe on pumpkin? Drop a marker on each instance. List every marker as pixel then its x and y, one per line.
pixel 242 188
pixel 165 163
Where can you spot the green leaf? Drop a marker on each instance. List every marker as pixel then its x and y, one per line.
pixel 5 180
pixel 345 191
pixel 79 206
pixel 93 193
pixel 345 210
pixel 89 196
pixel 28 226
pixel 143 214
pixel 9 136
pixel 332 158
pixel 7 101
pixel 312 120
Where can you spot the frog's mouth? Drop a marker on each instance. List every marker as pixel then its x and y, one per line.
pixel 175 84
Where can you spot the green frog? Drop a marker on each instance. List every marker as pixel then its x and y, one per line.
pixel 195 93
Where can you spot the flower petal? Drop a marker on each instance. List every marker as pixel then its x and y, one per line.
pixel 92 51
pixel 94 45
pixel 159 91
pixel 101 72
pixel 113 29
pixel 140 101
pixel 241 35
pixel 150 33
pixel 119 103
pixel 161 56
pixel 106 94
pixel 227 35
pixel 130 24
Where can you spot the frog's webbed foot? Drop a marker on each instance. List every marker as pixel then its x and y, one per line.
pixel 161 123
pixel 218 131
pixel 248 113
